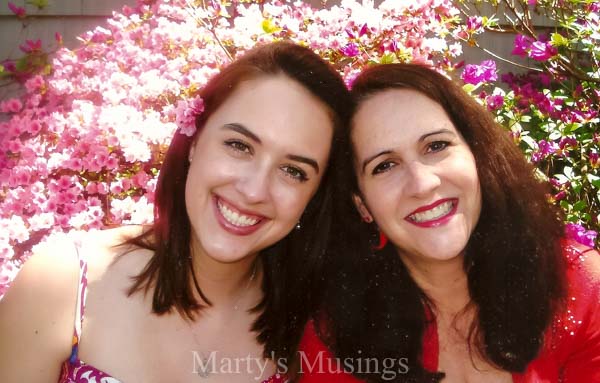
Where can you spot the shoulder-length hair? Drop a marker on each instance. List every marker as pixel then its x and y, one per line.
pixel 513 259
pixel 292 265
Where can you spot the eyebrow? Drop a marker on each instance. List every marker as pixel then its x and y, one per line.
pixel 241 129
pixel 305 160
pixel 388 151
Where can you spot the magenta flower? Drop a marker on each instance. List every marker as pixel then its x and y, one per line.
pixel 494 101
pixel 363 30
pixel 522 45
pixel 350 50
pixel 594 157
pixel 560 196
pixel 542 51
pixel 18 11
pixel 567 142
pixel 580 234
pixel 474 24
pixel 475 74
pixel 31 46
pixel 545 149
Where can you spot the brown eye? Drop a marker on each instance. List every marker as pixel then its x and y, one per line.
pixel 382 167
pixel 437 146
pixel 238 146
pixel 295 173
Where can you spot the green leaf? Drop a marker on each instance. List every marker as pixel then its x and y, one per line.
pixel 580 205
pixel 387 58
pixel 568 172
pixel 594 180
pixel 529 141
pixel 559 40
pixel 269 27
pixel 22 64
pixel 469 88
pixel 40 4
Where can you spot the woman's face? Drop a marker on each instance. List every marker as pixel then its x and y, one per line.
pixel 417 175
pixel 254 167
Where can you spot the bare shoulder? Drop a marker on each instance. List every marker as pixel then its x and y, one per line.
pixel 110 254
pixel 37 314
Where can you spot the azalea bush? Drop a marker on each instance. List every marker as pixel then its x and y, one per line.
pixel 551 105
pixel 82 147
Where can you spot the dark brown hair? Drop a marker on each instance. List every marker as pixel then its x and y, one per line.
pixel 513 259
pixel 291 266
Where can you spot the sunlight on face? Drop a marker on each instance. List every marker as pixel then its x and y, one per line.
pixel 417 175
pixel 255 166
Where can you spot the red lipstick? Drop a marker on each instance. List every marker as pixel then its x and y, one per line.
pixel 438 221
pixel 232 228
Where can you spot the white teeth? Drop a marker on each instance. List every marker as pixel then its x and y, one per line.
pixel 235 218
pixel 435 213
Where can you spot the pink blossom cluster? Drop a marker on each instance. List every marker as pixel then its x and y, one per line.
pixel 82 147
pixel 539 50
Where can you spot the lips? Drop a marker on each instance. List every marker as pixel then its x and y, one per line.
pixel 236 220
pixel 435 214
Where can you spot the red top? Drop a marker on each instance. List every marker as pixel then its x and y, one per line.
pixel 571 351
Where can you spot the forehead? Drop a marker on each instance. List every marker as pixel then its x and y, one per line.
pixel 279 111
pixel 395 116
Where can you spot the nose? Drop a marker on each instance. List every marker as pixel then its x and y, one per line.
pixel 253 184
pixel 422 179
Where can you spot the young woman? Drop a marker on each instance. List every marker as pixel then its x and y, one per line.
pixel 476 283
pixel 221 285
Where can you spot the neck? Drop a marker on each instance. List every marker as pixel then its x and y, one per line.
pixel 444 281
pixel 228 285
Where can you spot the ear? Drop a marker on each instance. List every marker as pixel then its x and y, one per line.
pixel 191 152
pixel 362 208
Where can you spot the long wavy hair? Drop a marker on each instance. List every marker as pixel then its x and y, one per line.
pixel 513 259
pixel 291 266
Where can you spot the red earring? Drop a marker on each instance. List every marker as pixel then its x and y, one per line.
pixel 382 241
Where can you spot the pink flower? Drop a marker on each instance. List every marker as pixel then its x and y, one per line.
pixel 34 83
pixel 140 179
pixel 475 74
pixel 522 45
pixel 31 46
pixel 350 50
pixel 91 188
pixel 11 106
pixel 542 51
pixel 559 196
pixel 545 149
pixel 580 234
pixel 494 102
pixel 474 24
pixel 19 11
pixel 186 112
pixel 594 159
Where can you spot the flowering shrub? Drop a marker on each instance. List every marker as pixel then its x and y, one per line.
pixel 82 147
pixel 551 110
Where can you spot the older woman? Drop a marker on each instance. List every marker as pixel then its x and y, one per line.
pixel 476 283
pixel 223 282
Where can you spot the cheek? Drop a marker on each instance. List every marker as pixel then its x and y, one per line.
pixel 291 200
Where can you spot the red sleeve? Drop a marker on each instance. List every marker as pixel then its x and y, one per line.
pixel 582 363
pixel 317 364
